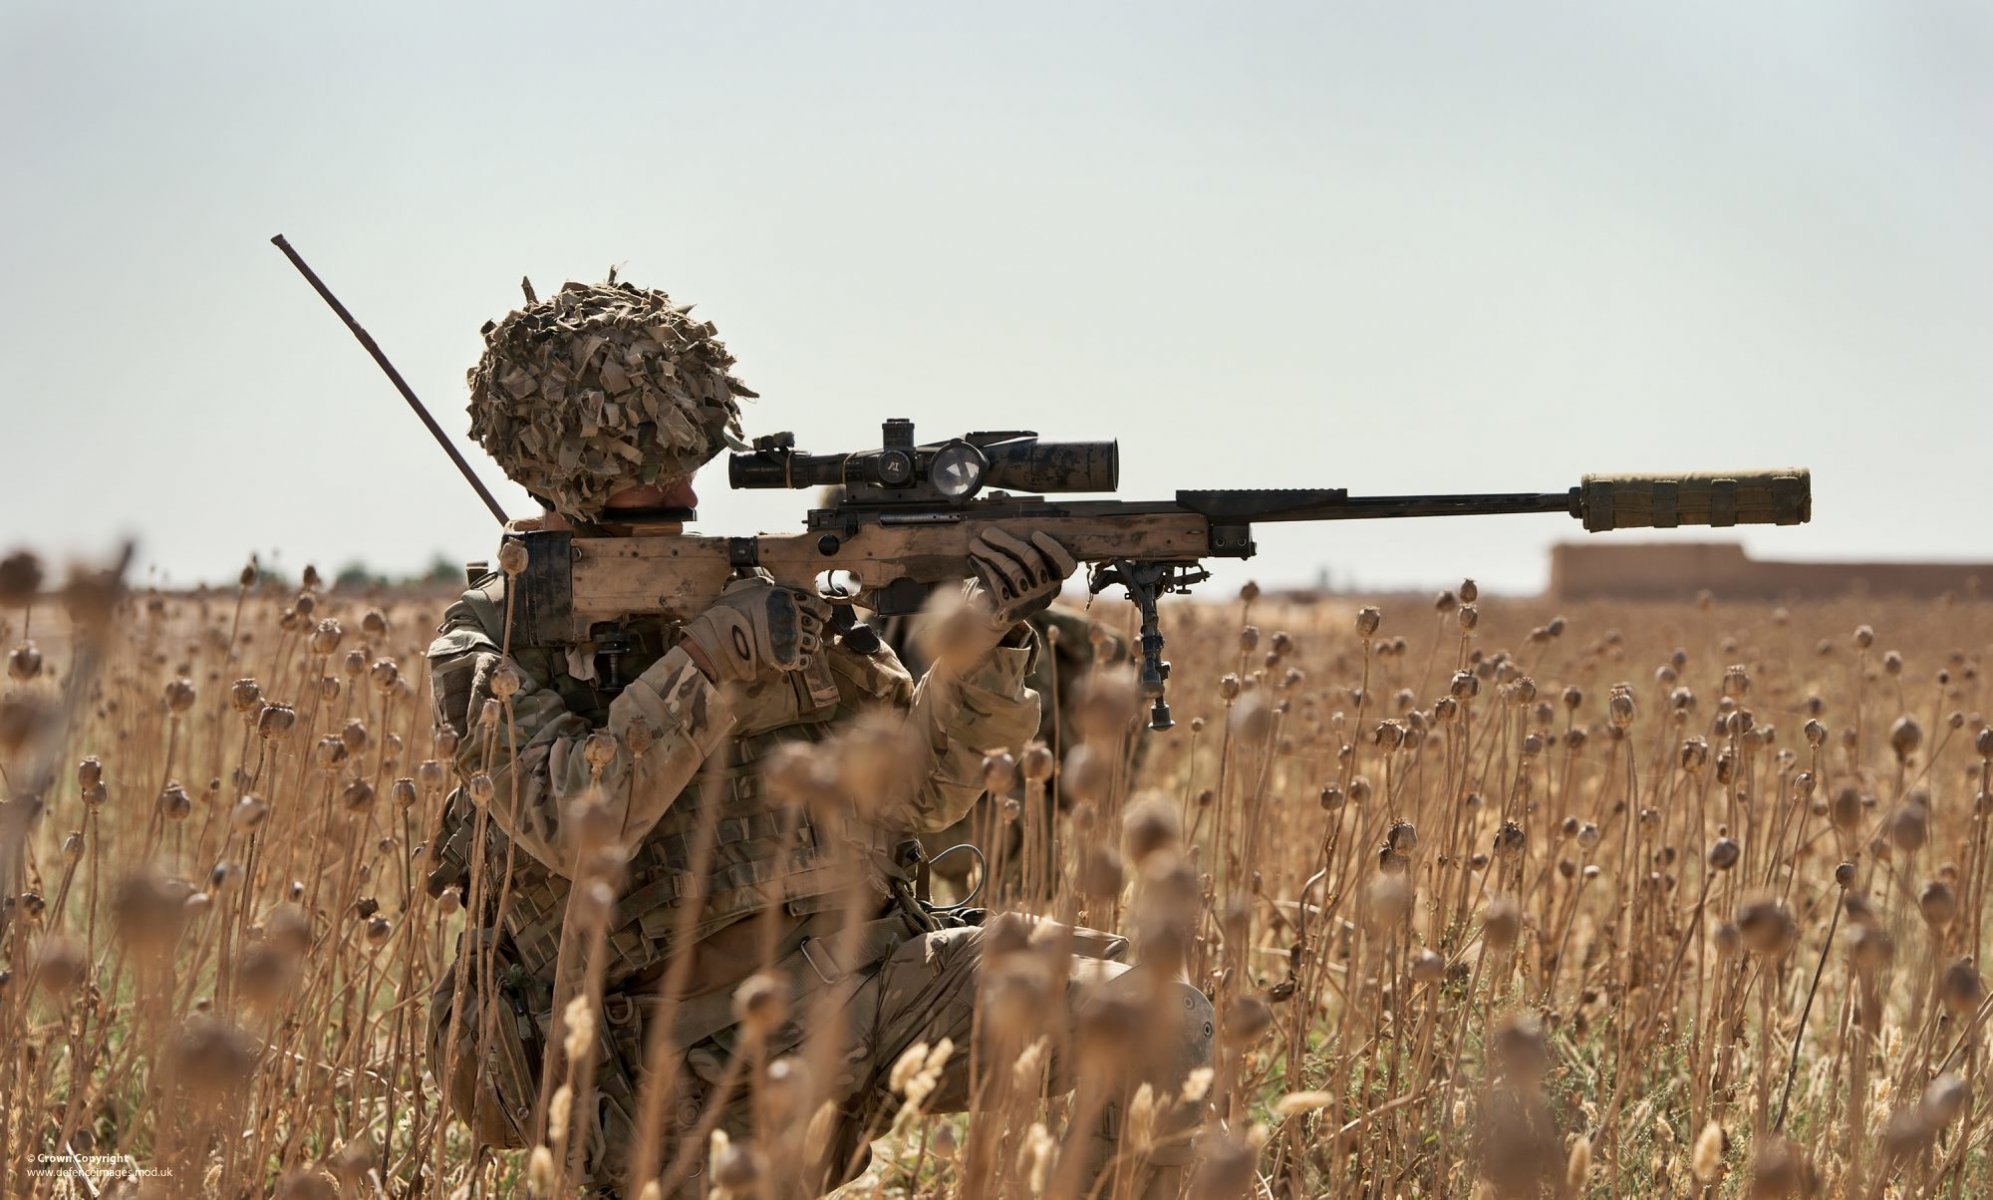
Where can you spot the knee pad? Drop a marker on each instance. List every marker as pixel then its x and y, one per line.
pixel 1178 1022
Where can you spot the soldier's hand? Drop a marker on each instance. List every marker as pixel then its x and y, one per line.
pixel 755 627
pixel 1016 578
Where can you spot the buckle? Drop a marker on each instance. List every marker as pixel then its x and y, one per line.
pixel 807 948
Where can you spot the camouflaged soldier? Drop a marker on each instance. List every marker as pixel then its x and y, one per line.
pixel 602 401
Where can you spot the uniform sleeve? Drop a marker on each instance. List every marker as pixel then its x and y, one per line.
pixel 960 715
pixel 666 723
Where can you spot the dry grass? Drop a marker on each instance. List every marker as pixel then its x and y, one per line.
pixel 1642 900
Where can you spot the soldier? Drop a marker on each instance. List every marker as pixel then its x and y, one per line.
pixel 602 401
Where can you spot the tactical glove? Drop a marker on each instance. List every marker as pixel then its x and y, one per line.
pixel 1016 578
pixel 754 627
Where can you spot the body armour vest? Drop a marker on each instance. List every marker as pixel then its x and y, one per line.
pixel 760 851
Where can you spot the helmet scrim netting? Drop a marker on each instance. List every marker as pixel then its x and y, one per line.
pixel 599 388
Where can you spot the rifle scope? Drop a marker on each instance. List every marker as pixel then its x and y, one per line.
pixel 948 471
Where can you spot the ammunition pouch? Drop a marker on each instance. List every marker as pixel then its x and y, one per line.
pixel 493 1079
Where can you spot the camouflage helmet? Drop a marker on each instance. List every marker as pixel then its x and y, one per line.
pixel 599 388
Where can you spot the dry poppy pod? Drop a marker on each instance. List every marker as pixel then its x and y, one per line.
pixel 1469 591
pixel 1983 741
pixel 249 814
pixel 1519 1049
pixel 1387 897
pixel 1767 927
pixel 1864 636
pixel 374 624
pixel 1367 622
pixel 1248 639
pixel 384 674
pixel 358 796
pixel 1816 734
pixel 1905 736
pixel 1573 698
pixel 760 1003
pixel 1101 874
pixel 1501 923
pixel 1463 685
pixel 275 721
pixel 72 847
pixel 1150 828
pixel 489 712
pixel 1945 1098
pixel 1468 617
pixel 325 638
pixel 1736 680
pixel 1249 591
pixel 328 688
pixel 1247 1018
pixel 89 772
pixel 1724 853
pixel 1510 840
pixel 481 788
pixel 1846 809
pixel 1575 738
pixel 247 577
pixel 999 773
pixel 354 664
pixel 1619 706
pixel 1910 828
pixel 354 735
pixel 244 695
pixel 174 803
pixel 20 579
pixel 1283 644
pixel 1403 836
pixel 446 742
pixel 505 681
pixel 512 558
pixel 1728 940
pixel 24 662
pixel 1871 948
pixel 330 753
pixel 61 964
pixel 1961 989
pixel 1445 709
pixel 1428 967
pixel 1331 797
pixel 1228 688
pixel 1939 904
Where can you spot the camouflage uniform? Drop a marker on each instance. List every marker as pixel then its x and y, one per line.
pixel 1073 645
pixel 902 984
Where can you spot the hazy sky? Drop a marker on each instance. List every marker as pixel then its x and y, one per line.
pixel 1393 247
